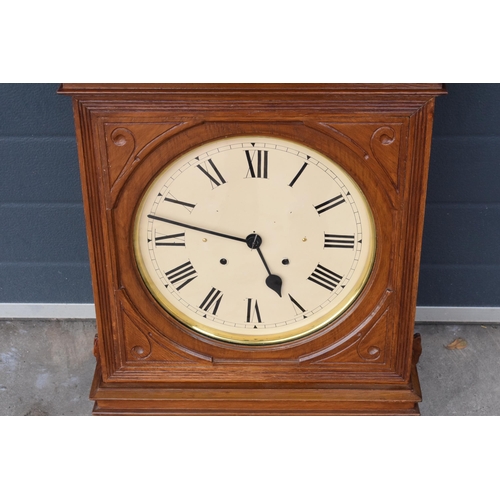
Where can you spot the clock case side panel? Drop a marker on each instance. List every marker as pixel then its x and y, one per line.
pixel 91 173
pixel 419 148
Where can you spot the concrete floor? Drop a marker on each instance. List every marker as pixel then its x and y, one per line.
pixel 46 368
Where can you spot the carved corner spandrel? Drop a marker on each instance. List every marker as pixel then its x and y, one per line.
pixel 141 342
pixel 367 346
pixel 376 144
pixel 127 144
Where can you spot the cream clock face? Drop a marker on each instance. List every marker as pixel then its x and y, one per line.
pixel 254 240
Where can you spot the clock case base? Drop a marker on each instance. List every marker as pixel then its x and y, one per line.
pixel 132 399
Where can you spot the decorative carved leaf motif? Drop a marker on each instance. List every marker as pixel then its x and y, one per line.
pixel 367 347
pixel 385 148
pixel 124 142
pixel 120 149
pixel 137 344
pixel 372 141
pixel 372 345
pixel 345 349
pixel 142 342
pixel 140 345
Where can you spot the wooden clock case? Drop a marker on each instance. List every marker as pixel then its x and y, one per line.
pixel 362 363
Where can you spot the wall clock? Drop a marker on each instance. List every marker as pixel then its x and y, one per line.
pixel 254 248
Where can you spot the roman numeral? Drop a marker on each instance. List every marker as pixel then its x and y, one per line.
pixel 324 277
pixel 212 299
pixel 213 181
pixel 299 173
pixel 339 241
pixel 261 169
pixel 170 240
pixel 327 205
pixel 296 306
pixel 172 199
pixel 253 311
pixel 183 274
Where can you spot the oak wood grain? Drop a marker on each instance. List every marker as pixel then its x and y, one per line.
pixel 147 362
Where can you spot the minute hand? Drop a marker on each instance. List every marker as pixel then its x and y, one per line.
pixel 195 228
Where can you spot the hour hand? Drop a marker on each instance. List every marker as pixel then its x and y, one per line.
pixel 272 281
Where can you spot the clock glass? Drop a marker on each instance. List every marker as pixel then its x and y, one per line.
pixel 254 240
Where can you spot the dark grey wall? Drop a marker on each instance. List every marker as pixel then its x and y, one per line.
pixel 43 251
pixel 461 247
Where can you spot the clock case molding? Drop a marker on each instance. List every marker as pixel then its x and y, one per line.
pixel 362 363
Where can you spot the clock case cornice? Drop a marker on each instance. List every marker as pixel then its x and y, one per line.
pixel 306 106
pixel 398 99
pixel 145 90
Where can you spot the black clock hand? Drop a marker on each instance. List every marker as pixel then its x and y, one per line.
pixel 195 228
pixel 272 281
pixel 253 241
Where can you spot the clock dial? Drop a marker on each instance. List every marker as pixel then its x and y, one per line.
pixel 254 239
